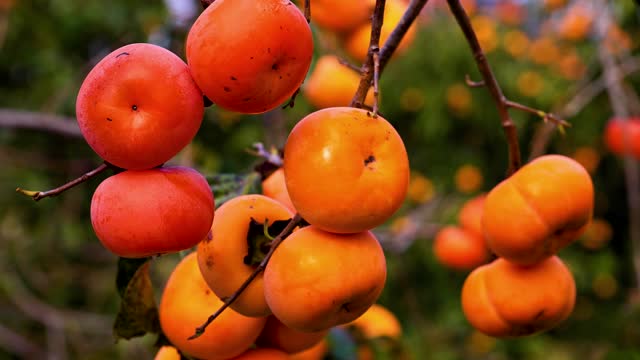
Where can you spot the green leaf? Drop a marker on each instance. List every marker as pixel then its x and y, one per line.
pixel 227 186
pixel 259 239
pixel 138 311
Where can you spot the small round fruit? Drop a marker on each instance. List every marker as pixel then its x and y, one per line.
pixel 503 299
pixel 279 336
pixel 618 132
pixel 470 216
pixel 249 56
pixel 139 106
pixel 332 83
pixel 543 207
pixel 187 302
pixel 262 354
pixel 346 171
pixel 139 213
pixel 274 187
pixel 459 248
pixel 222 256
pixel 167 353
pixel 317 352
pixel 377 322
pixel 316 279
pixel 340 15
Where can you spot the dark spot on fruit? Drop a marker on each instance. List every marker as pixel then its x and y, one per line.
pixel 246 99
pixel 345 307
pixel 539 315
pixel 209 262
pixel 207 292
pixel 269 50
pixel 209 236
pixel 233 78
pixel 280 77
pixel 134 107
pixel 122 53
pixel 369 160
pixel 251 58
pixel 280 27
pixel 275 66
pixel 227 89
pixel 109 119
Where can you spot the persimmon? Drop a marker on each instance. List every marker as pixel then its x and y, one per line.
pixel 187 301
pixel 249 56
pixel 459 248
pixel 503 299
pixel 543 207
pixel 274 187
pixel 279 336
pixel 222 256
pixel 356 43
pixel 262 354
pixel 470 215
pixel 468 178
pixel 622 136
pixel 376 322
pixel 139 106
pixel 139 213
pixel 167 353
pixel 332 83
pixel 316 279
pixel 340 15
pixel 346 171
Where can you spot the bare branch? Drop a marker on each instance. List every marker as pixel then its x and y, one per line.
pixel 263 264
pixel 19 119
pixel 544 115
pixel 408 18
pixel 307 10
pixel 38 195
pixel 471 83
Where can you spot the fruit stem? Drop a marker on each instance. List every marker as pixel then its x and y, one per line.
pixel 307 11
pixel 491 83
pixel 38 195
pixel 297 219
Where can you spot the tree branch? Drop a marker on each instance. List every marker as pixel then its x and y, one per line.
pixel 491 83
pixel 38 195
pixel 19 119
pixel 263 264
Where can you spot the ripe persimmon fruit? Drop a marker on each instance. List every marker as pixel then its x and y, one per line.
pixel 540 209
pixel 316 279
pixel 470 215
pixel 346 171
pixel 459 248
pixel 503 299
pixel 139 213
pixel 332 83
pixel 139 106
pixel 316 352
pixel 249 56
pixel 622 136
pixel 222 255
pixel 279 336
pixel 187 301
pixel 274 187
pixel 167 353
pixel 340 15
pixel 377 322
pixel 262 354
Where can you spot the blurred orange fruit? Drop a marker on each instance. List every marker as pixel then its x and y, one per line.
pixel 576 23
pixel 468 179
pixel 459 99
pixel 598 233
pixel 377 322
pixel 167 353
pixel 544 51
pixel 516 43
pixel 588 157
pixel 486 32
pixel 420 189
pixel 340 15
pixel 530 83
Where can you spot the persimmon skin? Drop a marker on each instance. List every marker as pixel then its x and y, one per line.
pixel 470 215
pixel 346 171
pixel 543 207
pixel 377 322
pixel 167 353
pixel 460 249
pixel 187 301
pixel 340 15
pixel 305 283
pixel 316 352
pixel 221 257
pixel 262 354
pixel 503 299
pixel 615 133
pixel 139 106
pixel 275 187
pixel 139 213
pixel 249 56
pixel 332 83
pixel 279 336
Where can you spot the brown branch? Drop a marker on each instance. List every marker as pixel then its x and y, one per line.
pixel 19 119
pixel 491 83
pixel 544 115
pixel 376 81
pixel 374 45
pixel 38 195
pixel 263 264
pixel 393 41
pixel 617 97
pixel 348 64
pixel 471 83
pixel 307 11
pixel 292 101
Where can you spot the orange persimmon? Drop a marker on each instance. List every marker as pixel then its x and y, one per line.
pixel 502 299
pixel 459 248
pixel 622 136
pixel 340 15
pixel 470 215
pixel 274 187
pixel 279 336
pixel 540 209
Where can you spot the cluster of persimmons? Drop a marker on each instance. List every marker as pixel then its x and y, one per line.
pixel 345 172
pixel 525 220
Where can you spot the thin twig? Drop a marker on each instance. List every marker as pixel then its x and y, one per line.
pixel 19 119
pixel 471 83
pixel 292 101
pixel 544 115
pixel 491 83
pixel 617 97
pixel 38 195
pixel 367 70
pixel 263 264
pixel 376 80
pixel 348 64
pixel 307 11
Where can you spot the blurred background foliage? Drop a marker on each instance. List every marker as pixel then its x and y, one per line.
pixel 58 297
